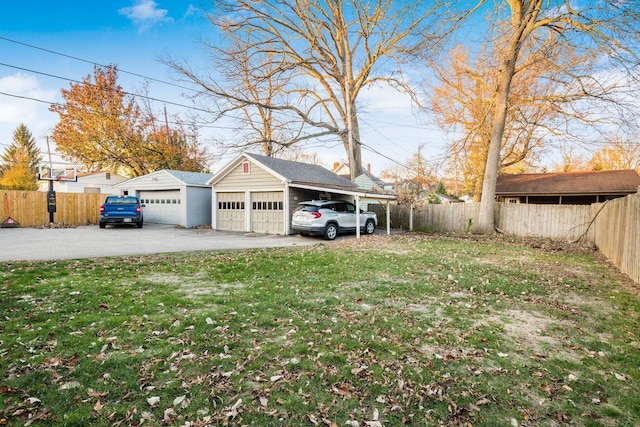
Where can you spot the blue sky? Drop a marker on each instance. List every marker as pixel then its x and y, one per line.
pixel 134 35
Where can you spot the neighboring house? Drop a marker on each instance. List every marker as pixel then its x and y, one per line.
pixel 88 182
pixel 445 199
pixel 258 193
pixel 172 197
pixel 567 188
pixel 366 180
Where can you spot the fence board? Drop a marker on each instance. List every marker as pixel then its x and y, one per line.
pixel 29 208
pixel 614 226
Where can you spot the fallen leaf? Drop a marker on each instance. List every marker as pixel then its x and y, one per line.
pixel 356 371
pixel 98 406
pixel 483 401
pixel 152 401
pixel 373 423
pixel 620 377
pixel 178 400
pixel 376 414
pixel 169 415
pixel 69 385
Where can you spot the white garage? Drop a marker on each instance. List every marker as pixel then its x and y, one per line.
pixel 172 197
pixel 255 193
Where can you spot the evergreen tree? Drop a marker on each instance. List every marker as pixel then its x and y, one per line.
pixel 18 169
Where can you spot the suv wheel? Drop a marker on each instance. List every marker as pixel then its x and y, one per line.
pixel 330 231
pixel 369 227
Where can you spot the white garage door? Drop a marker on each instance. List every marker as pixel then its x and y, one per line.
pixel 162 207
pixel 230 213
pixel 267 212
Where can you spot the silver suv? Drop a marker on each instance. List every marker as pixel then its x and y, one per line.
pixel 329 218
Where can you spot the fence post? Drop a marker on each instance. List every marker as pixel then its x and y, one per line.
pixel 411 217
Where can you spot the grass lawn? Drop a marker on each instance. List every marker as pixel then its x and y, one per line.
pixel 384 331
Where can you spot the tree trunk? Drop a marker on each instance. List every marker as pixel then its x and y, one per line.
pixel 486 220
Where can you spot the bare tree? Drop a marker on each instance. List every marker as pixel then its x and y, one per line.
pixel 619 153
pixel 607 28
pixel 319 57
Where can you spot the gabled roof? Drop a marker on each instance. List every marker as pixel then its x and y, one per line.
pixel 581 182
pixel 190 178
pixel 296 174
pixel 187 178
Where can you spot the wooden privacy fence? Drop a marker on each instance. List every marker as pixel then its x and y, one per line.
pixel 29 208
pixel 613 226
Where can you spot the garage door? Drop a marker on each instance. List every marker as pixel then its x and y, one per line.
pixel 230 214
pixel 267 212
pixel 162 207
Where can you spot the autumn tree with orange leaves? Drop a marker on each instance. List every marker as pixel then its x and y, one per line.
pixel 103 128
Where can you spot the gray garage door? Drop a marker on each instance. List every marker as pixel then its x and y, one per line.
pixel 161 206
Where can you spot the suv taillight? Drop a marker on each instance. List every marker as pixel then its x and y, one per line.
pixel 101 209
pixel 138 209
pixel 316 215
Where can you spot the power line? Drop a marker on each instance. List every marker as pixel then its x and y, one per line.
pixel 95 63
pixel 98 87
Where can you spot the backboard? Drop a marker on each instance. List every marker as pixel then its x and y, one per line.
pixel 57 172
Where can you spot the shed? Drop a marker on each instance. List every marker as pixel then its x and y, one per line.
pixel 576 188
pixel 258 193
pixel 173 197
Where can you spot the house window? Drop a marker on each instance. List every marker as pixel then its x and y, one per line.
pixel 108 175
pixel 512 199
pixel 246 168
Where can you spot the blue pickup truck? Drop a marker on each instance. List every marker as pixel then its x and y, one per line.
pixel 121 210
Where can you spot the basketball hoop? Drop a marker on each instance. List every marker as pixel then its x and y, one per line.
pixel 56 171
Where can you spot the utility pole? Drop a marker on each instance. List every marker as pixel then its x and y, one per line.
pixel 347 101
pixel 51 194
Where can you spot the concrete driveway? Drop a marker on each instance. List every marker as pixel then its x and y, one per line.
pixel 29 244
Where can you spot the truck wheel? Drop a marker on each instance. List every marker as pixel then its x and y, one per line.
pixel 140 224
pixel 369 227
pixel 330 231
pixel 102 225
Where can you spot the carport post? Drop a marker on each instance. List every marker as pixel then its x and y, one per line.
pixel 388 218
pixel 357 216
pixel 411 217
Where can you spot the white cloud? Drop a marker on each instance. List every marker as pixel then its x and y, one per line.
pixel 145 14
pixel 21 104
pixel 24 100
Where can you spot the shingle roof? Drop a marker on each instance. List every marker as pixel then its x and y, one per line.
pixel 190 178
pixel 581 182
pixel 303 173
